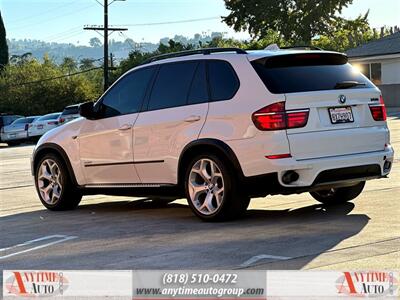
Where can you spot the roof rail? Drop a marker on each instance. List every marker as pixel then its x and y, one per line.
pixel 303 47
pixel 204 51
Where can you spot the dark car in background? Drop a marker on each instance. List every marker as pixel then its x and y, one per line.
pixel 69 113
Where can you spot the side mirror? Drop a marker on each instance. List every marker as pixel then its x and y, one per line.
pixel 86 110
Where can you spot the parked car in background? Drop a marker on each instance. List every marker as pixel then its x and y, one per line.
pixel 43 124
pixel 17 131
pixel 69 113
pixel 7 119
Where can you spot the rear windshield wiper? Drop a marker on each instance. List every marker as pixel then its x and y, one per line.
pixel 348 84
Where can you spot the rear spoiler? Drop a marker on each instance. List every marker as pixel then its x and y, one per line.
pixel 307 58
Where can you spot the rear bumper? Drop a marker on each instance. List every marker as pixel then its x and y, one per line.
pixel 323 172
pixel 21 135
pixel 35 133
pixel 309 170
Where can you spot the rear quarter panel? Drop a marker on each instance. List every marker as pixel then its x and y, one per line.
pixel 231 121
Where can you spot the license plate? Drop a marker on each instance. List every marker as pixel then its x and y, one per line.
pixel 40 127
pixel 341 115
pixel 12 135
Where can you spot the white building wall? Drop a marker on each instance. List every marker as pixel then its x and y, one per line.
pixel 390 66
pixel 391 71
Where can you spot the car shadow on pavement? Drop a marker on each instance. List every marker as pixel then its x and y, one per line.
pixel 141 234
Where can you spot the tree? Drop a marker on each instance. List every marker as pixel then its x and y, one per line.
pixel 86 63
pixel 20 59
pixel 69 64
pixel 30 87
pixel 95 42
pixel 3 45
pixel 297 21
pixel 137 57
pixel 347 34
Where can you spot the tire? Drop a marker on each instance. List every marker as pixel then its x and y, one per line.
pixel 54 185
pixel 338 195
pixel 218 196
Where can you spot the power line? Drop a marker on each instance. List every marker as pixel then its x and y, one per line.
pixel 68 31
pixel 83 9
pixel 50 79
pixel 68 36
pixel 127 39
pixel 42 13
pixel 171 22
pixel 75 31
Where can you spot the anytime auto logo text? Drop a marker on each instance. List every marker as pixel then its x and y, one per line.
pixel 36 283
pixel 367 284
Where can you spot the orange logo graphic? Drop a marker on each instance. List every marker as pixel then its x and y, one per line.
pixel 37 283
pixel 367 284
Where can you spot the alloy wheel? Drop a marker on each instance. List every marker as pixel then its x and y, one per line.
pixel 49 181
pixel 206 186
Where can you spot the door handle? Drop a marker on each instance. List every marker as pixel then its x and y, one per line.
pixel 192 119
pixel 125 127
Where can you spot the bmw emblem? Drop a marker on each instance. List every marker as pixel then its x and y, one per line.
pixel 342 99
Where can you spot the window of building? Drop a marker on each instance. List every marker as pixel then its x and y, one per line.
pixel 376 73
pixel 364 68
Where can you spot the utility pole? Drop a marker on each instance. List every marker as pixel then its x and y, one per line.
pixel 105 30
pixel 111 62
pixel 105 45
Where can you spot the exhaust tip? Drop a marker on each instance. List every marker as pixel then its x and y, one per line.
pixel 387 166
pixel 289 177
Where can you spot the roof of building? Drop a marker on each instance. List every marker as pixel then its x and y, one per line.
pixel 389 44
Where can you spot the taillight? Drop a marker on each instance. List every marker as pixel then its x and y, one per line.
pixel 276 117
pixel 62 120
pixel 378 111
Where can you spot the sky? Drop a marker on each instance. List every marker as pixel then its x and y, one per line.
pixel 63 20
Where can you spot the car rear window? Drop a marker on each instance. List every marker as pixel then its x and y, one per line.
pixel 49 117
pixel 21 121
pixel 307 72
pixel 6 120
pixel 71 110
pixel 31 119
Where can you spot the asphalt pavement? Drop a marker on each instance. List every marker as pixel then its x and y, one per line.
pixel 279 232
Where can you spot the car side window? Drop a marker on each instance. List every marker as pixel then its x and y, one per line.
pixel 198 90
pixel 9 119
pixel 172 85
pixel 223 80
pixel 126 96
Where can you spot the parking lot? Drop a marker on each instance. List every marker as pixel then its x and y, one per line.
pixel 280 232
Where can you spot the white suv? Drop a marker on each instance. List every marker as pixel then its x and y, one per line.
pixel 221 126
